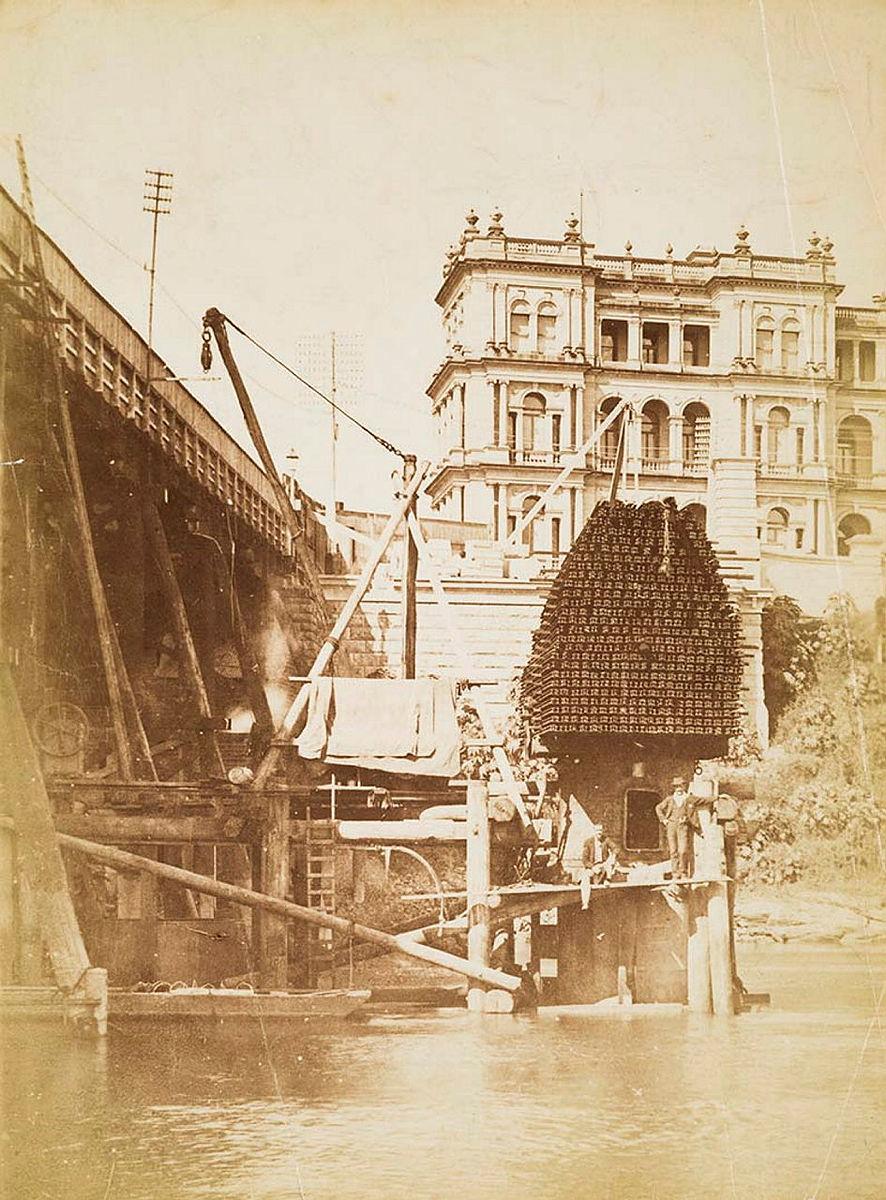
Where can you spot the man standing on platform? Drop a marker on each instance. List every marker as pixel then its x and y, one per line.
pixel 675 813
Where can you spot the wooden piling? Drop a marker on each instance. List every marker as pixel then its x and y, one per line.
pixel 103 620
pixel 272 957
pixel 156 535
pixel 39 858
pixel 721 957
pixel 698 960
pixel 478 881
pixel 719 928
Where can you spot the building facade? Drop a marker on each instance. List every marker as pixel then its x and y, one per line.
pixel 752 396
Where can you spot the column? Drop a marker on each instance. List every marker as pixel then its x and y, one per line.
pixel 810 542
pixel 824 449
pixel 811 320
pixel 675 445
pixel 749 404
pixel 743 426
pixel 878 433
pixel 502 512
pixel 580 433
pixel 503 411
pixel 501 321
pixel 634 348
pixel 675 341
pixel 828 349
pixel 745 331
pixel 633 445
pixel 588 328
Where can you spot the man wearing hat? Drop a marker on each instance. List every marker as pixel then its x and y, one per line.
pixel 675 813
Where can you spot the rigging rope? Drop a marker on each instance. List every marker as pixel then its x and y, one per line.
pixel 392 449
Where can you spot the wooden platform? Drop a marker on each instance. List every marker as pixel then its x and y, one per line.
pixel 225 1003
pixel 48 1003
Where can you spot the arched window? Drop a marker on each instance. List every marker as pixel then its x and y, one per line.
pixel 850 526
pixel 607 447
pixel 547 327
pixel 533 417
pixel 654 431
pixel 777 449
pixel 529 503
pixel 855 447
pixel 790 345
pixel 777 527
pixel 698 514
pixel 696 436
pixel 764 342
pixel 519 326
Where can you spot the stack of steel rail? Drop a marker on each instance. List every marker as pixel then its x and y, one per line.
pixel 639 635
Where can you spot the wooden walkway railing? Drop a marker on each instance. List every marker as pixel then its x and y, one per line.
pixel 102 349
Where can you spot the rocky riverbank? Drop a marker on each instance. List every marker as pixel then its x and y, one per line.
pixel 802 913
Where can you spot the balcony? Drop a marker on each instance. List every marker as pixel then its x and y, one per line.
pixel 658 466
pixel 535 458
pixel 652 466
pixel 804 470
pixel 853 479
pixel 767 470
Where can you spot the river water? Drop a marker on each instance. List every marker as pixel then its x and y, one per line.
pixel 781 1103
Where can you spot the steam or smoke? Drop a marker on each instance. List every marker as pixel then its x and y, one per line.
pixel 275 655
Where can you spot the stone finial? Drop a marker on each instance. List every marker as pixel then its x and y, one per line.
pixel 496 229
pixel 879 299
pixel 471 230
pixel 669 251
pixel 572 234
pixel 629 248
pixel 742 245
pixel 827 246
pixel 814 243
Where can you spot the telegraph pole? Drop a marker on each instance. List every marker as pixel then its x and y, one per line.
pixel 158 202
pixel 333 482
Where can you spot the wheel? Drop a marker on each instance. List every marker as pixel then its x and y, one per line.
pixel 60 729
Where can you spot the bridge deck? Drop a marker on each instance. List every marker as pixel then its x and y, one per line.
pixel 101 348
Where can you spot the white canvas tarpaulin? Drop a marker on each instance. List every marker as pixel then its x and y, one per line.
pixel 404 726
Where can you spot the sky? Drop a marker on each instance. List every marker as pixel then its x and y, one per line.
pixel 325 154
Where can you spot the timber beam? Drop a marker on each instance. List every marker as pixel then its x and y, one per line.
pixel 122 860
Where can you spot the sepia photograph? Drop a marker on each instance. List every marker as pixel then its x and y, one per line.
pixel 442 599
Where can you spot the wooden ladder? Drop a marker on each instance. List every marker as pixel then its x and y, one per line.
pixel 320 845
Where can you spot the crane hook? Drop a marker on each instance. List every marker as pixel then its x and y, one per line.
pixel 206 351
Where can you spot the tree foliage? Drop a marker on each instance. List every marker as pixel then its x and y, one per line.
pixel 821 787
pixel 478 762
pixel 788 653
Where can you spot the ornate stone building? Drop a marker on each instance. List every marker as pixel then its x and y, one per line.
pixel 754 397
